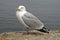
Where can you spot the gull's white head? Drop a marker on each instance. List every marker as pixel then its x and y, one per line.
pixel 21 8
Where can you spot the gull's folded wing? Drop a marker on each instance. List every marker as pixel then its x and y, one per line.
pixel 32 21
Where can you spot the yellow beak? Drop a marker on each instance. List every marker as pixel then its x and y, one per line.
pixel 17 9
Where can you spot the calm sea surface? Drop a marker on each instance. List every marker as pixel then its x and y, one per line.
pixel 48 11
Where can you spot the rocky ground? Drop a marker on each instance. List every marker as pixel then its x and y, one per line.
pixel 33 35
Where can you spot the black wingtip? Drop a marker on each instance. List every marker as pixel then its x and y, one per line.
pixel 44 30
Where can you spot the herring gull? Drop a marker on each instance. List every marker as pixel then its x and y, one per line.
pixel 29 20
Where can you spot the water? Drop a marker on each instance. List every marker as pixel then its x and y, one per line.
pixel 48 11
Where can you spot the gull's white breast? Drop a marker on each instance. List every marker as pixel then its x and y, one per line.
pixel 19 17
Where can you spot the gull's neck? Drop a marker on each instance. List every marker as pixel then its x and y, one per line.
pixel 21 13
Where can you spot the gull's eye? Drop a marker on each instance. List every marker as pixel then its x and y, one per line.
pixel 21 7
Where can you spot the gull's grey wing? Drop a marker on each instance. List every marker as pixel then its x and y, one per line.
pixel 32 21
